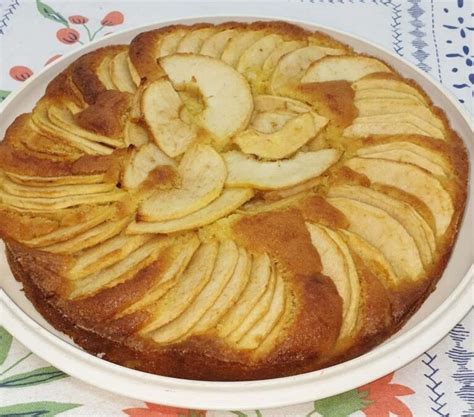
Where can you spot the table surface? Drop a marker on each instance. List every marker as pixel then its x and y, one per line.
pixel 435 35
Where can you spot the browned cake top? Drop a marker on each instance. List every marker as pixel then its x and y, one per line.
pixel 233 201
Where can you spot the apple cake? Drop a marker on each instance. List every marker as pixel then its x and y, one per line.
pixel 230 202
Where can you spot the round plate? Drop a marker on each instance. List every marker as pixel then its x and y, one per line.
pixel 442 310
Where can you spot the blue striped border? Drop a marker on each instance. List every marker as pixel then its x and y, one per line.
pixel 418 33
pixel 7 14
pixel 434 385
pixel 396 9
pixel 462 355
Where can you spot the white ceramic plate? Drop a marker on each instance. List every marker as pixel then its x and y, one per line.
pixel 451 300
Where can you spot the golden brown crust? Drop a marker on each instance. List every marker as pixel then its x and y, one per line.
pixel 332 99
pixel 199 358
pixel 23 226
pixel 283 234
pixel 107 115
pixel 84 71
pixel 376 309
pixel 315 327
pixel 62 87
pixel 144 49
pixel 17 161
pixel 317 210
pixel 207 356
pixel 22 138
pixel 307 334
pixel 98 309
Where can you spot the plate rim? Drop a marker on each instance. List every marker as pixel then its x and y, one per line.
pixel 270 393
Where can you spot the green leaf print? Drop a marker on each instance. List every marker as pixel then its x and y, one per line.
pixel 39 409
pixel 258 413
pixel 49 13
pixel 4 94
pixel 38 376
pixel 5 343
pixel 341 405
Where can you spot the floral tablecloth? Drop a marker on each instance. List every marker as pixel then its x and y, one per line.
pixel 435 35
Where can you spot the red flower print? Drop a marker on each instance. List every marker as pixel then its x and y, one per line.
pixel 112 19
pixel 384 398
pixel 154 410
pixel 78 19
pixel 68 35
pixel 20 73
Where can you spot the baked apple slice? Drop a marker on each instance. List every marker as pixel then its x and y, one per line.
pixel 37 181
pixel 170 41
pixel 410 179
pixel 190 284
pixel 162 111
pixel 381 94
pixel 89 75
pixel 272 112
pixel 43 124
pixel 267 103
pixel 282 49
pixel 292 67
pixel 408 152
pixel 180 254
pixel 262 328
pixel 371 256
pixel 382 231
pixel 64 119
pixel 230 200
pixel 404 155
pixel 193 40
pixel 251 61
pixel 347 67
pixel 225 263
pixel 142 162
pixel 133 72
pixel 266 123
pixel 216 43
pixel 246 171
pixel 384 85
pixel 393 124
pixel 224 93
pixel 202 172
pixel 238 44
pixel 90 238
pixel 135 134
pixel 260 277
pixel 105 254
pixel 363 130
pixel 338 265
pixel 104 74
pixel 258 311
pixel 387 106
pixel 294 133
pixel 54 191
pixel 229 295
pixel 120 73
pixel 122 270
pixel 62 234
pixel 56 203
pixel 407 216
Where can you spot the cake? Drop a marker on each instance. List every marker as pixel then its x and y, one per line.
pixel 227 202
